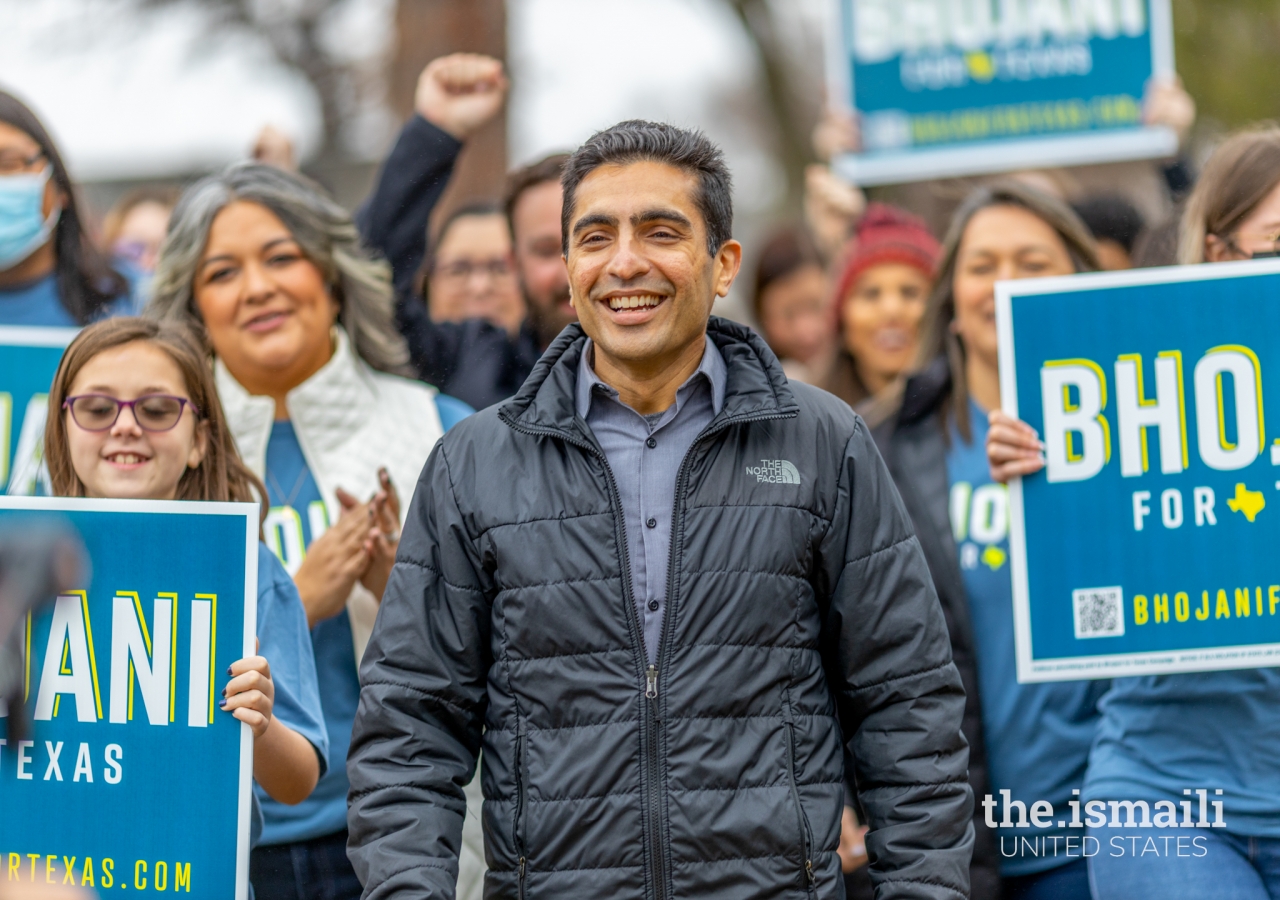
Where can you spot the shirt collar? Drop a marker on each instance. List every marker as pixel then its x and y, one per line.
pixel 711 368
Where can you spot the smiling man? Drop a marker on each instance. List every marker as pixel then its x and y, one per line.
pixel 660 588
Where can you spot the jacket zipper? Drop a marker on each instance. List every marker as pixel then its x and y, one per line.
pixel 806 834
pixel 651 796
pixel 520 802
pixel 677 520
pixel 647 676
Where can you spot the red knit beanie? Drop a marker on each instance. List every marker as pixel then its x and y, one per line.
pixel 887 234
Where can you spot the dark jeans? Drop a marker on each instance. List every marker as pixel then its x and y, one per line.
pixel 317 869
pixel 1069 882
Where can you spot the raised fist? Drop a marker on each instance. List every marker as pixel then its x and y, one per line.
pixel 461 92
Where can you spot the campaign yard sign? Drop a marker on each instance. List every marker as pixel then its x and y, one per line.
pixel 1147 545
pixel 28 360
pixel 133 779
pixel 962 87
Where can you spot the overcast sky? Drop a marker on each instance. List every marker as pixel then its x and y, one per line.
pixel 130 96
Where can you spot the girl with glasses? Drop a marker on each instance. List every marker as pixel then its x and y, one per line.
pixel 134 414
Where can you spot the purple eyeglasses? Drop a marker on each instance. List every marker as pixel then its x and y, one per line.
pixel 152 412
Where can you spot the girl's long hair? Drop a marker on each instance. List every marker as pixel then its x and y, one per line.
pixel 87 284
pixel 221 475
pixel 937 339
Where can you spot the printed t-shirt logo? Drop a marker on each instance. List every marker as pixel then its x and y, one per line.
pixel 775 471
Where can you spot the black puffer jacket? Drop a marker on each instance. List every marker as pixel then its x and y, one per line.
pixel 719 775
pixel 915 448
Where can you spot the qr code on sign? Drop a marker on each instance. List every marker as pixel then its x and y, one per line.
pixel 1099 612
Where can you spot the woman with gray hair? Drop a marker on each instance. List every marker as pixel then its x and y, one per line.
pixel 308 363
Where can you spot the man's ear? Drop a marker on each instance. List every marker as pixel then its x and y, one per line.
pixel 728 262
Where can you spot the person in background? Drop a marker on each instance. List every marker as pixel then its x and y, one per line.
pixel 533 204
pixel 885 278
pixel 470 273
pixel 50 272
pixel 134 414
pixel 1115 224
pixel 307 360
pixel 476 361
pixel 792 303
pixel 1162 735
pixel 134 228
pixel 1034 738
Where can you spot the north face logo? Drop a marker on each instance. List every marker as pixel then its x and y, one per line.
pixel 775 471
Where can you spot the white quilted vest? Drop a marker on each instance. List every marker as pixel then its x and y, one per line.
pixel 350 420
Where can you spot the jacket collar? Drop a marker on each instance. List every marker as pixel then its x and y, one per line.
pixel 925 391
pixel 755 385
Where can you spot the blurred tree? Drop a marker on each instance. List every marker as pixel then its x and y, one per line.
pixel 789 47
pixel 296 31
pixel 1225 54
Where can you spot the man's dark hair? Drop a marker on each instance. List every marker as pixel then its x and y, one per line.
pixel 638 141
pixel 1111 218
pixel 549 168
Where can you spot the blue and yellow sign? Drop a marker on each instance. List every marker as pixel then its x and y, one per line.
pixel 133 779
pixel 29 358
pixel 1147 543
pixel 962 87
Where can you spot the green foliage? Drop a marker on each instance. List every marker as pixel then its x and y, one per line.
pixel 1226 55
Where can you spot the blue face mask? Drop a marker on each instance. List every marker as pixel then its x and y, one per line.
pixel 23 226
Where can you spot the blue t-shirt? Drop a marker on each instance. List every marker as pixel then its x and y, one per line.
pixel 1163 734
pixel 298 516
pixel 1037 735
pixel 451 410
pixel 38 304
pixel 35 304
pixel 284 642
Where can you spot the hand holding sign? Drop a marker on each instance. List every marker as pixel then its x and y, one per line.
pixel 1013 448
pixel 250 695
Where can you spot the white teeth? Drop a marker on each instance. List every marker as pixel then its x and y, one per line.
pixel 634 302
pixel 125 459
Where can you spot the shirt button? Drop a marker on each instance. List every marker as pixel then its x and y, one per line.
pixel 653 606
pixel 652 523
pixel 651 443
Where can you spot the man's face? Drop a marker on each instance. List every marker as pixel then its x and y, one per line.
pixel 535 222
pixel 642 281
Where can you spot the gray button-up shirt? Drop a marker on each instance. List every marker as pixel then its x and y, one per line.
pixel 645 453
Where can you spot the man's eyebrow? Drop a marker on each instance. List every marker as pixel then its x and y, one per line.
pixel 592 220
pixel 661 215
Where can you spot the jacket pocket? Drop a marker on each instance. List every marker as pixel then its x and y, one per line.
pixel 518 823
pixel 806 833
